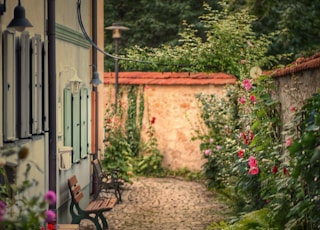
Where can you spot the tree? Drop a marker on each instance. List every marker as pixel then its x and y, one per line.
pixel 296 21
pixel 151 23
pixel 230 40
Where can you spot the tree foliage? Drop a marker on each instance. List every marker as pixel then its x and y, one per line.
pixel 151 23
pixel 230 40
pixel 297 22
pixel 294 24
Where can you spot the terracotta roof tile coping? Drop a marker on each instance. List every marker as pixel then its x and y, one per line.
pixel 169 78
pixel 301 64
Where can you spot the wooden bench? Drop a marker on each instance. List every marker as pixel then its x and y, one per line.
pixel 94 212
pixel 107 180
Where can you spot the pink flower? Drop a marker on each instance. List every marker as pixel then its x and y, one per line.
pixel 288 142
pixel 242 100
pixel 50 216
pixel 211 140
pixel 240 153
pixel 292 108
pixel 207 152
pixel 218 147
pixel 247 84
pixel 243 61
pixel 3 208
pixel 253 98
pixel 252 162
pixel 253 170
pixel 50 197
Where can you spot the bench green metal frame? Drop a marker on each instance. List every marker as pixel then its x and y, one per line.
pixel 107 180
pixel 94 212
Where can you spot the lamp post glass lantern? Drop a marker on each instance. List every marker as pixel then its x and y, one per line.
pixel 116 35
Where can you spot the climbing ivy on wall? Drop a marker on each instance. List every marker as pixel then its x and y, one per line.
pixel 134 117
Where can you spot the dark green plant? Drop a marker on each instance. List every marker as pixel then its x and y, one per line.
pixel 302 188
pixel 118 154
pixel 149 161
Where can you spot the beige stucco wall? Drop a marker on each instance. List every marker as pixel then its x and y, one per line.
pixel 176 112
pixel 38 146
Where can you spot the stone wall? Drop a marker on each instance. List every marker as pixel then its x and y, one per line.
pixel 294 88
pixel 176 111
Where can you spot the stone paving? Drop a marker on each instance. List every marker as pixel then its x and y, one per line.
pixel 164 204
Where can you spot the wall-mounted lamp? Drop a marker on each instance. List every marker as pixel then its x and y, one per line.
pixel 95 81
pixel 75 83
pixel 19 21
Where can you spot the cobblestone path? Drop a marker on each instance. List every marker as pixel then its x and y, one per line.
pixel 165 204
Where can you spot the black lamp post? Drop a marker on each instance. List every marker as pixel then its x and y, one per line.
pixel 116 35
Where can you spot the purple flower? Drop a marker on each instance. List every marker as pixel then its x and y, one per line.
pixel 50 197
pixel 3 208
pixel 50 216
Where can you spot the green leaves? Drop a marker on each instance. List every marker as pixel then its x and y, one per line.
pixel 229 41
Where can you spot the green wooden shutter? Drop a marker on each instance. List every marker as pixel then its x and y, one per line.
pixel 24 87
pixel 36 84
pixel 84 122
pixel 9 86
pixel 76 127
pixel 45 87
pixel 67 106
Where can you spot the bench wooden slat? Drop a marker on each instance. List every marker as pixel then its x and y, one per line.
pixel 102 204
pixel 77 197
pixel 72 181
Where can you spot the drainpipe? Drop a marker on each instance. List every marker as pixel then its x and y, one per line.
pixel 52 97
pixel 95 88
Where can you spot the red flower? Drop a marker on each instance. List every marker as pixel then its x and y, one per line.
pixel 274 169
pixel 286 171
pixel 253 98
pixel 240 153
pixel 153 120
pixel 251 135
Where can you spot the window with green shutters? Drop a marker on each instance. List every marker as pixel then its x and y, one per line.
pixel 76 123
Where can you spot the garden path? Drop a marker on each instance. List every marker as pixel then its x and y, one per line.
pixel 164 204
